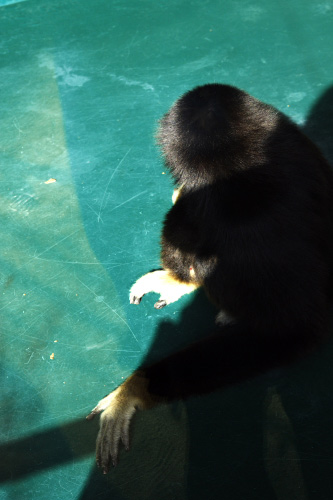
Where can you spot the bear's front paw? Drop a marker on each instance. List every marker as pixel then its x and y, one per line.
pixel 117 410
pixel 150 282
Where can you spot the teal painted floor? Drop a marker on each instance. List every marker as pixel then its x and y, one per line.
pixel 83 193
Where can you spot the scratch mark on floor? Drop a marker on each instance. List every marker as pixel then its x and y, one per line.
pixel 101 207
pixel 130 199
pixel 114 312
pixel 98 346
pixel 56 244
pixel 109 265
pixel 16 125
pixel 8 304
pixel 23 335
pixel 29 358
pixel 98 215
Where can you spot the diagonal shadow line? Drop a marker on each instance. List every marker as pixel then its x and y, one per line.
pixel 47 449
pixel 319 124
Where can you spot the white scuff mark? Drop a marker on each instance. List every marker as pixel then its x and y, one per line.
pixel 68 77
pixel 73 80
pixel 46 61
pixel 65 74
pixel 296 96
pixel 298 118
pixel 99 298
pixel 199 64
pixel 130 83
pixel 322 8
pixel 98 346
pixel 21 203
pixel 252 13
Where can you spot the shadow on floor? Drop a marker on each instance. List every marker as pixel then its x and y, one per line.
pixel 274 433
